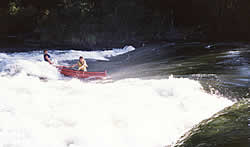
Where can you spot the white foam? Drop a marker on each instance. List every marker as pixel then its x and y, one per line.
pixel 61 55
pixel 31 68
pixel 97 55
pixel 32 62
pixel 230 54
pixel 72 113
pixel 126 113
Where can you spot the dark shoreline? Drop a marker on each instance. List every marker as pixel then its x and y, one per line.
pixel 11 48
pixel 19 43
pixel 21 47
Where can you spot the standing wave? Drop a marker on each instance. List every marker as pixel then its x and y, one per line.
pixel 124 113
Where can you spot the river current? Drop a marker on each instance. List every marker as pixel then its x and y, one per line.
pixel 152 97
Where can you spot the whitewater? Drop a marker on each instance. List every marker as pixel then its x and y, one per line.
pixel 67 112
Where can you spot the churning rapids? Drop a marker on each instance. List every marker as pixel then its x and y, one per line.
pixel 154 98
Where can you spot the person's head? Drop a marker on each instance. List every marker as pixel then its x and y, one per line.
pixel 45 51
pixel 81 59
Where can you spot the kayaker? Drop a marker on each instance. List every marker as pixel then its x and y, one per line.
pixel 46 56
pixel 82 64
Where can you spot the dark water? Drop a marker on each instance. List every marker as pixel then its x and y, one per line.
pixel 222 67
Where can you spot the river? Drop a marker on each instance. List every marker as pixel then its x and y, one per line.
pixel 154 94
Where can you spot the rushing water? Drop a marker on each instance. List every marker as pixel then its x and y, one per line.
pixel 154 97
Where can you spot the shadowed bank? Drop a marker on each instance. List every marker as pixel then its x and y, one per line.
pixel 115 23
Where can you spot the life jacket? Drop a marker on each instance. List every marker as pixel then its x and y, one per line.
pixel 44 56
pixel 82 66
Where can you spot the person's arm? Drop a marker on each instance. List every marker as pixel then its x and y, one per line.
pixel 48 59
pixel 85 63
pixel 73 66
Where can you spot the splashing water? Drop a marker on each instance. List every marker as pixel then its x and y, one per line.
pixel 74 113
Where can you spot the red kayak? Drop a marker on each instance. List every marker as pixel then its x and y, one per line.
pixel 81 74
